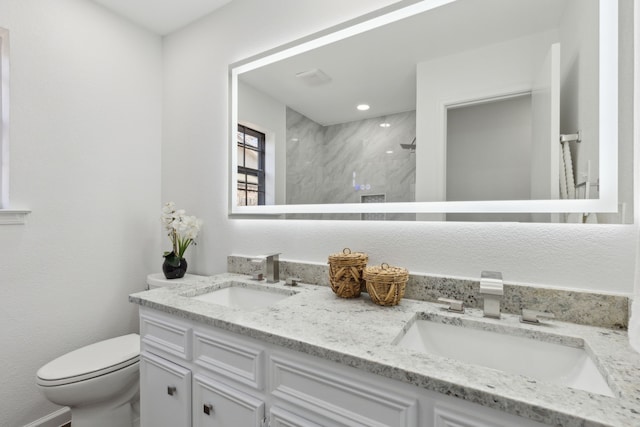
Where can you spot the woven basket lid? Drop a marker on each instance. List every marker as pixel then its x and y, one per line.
pixel 385 271
pixel 347 255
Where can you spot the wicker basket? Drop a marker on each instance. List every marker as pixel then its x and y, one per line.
pixel 345 273
pixel 386 284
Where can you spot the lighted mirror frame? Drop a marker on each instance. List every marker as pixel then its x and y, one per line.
pixel 608 116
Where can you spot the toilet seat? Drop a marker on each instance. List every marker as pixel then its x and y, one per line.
pixel 91 361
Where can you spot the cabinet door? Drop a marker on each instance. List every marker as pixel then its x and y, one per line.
pixel 217 404
pixel 165 393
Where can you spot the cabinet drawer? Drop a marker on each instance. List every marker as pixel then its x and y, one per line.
pixel 166 336
pixel 446 418
pixel 218 405
pixel 222 354
pixel 342 399
pixel 465 414
pixel 283 418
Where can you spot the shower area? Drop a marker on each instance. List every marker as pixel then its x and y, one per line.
pixel 353 162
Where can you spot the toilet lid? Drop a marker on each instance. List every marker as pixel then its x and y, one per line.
pixel 91 361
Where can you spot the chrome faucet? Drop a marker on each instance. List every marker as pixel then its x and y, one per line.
pixel 491 289
pixel 273 268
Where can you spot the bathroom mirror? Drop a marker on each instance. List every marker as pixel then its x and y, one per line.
pixel 434 109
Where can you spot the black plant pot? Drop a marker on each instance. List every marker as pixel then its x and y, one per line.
pixel 174 267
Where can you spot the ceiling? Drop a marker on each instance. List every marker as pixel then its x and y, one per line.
pixel 378 67
pixel 162 16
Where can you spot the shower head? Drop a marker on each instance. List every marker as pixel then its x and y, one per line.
pixel 411 146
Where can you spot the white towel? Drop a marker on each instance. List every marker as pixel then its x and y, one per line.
pixel 591 218
pixel 574 218
pixel 563 179
pixel 566 173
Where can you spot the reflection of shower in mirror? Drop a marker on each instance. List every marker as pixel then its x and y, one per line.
pixel 411 147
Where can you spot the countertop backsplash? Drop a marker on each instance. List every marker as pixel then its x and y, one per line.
pixel 580 307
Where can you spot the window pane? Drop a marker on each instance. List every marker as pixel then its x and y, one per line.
pixel 240 137
pixel 252 198
pixel 242 198
pixel 251 159
pixel 240 156
pixel 251 141
pixel 252 179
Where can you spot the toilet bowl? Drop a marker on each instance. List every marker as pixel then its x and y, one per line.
pixel 99 382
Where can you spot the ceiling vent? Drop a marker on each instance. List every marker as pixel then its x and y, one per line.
pixel 314 77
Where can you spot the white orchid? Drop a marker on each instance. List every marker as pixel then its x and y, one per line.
pixel 182 229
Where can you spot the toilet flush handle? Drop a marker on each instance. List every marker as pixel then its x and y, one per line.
pixel 171 390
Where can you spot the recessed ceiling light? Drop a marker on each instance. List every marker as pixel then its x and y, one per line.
pixel 295 139
pixel 390 152
pixel 363 107
pixel 385 125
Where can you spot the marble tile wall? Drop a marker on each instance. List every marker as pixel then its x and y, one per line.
pixel 586 308
pixel 322 161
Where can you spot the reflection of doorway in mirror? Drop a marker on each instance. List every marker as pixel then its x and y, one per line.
pixel 489 148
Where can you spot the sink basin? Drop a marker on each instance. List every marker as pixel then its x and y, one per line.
pixel 244 296
pixel 544 361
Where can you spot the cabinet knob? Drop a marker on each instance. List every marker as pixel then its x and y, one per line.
pixel 208 408
pixel 171 390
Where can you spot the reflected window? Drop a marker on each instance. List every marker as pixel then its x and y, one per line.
pixel 251 161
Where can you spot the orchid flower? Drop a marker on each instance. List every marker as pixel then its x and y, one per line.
pixel 182 229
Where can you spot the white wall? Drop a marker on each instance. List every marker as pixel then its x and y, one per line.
pixel 85 158
pixel 596 257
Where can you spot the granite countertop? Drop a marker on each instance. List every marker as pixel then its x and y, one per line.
pixel 360 334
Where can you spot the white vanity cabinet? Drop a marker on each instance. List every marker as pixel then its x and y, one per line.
pixel 197 378
pixel 198 375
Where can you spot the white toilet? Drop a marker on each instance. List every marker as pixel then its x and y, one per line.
pixel 99 382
